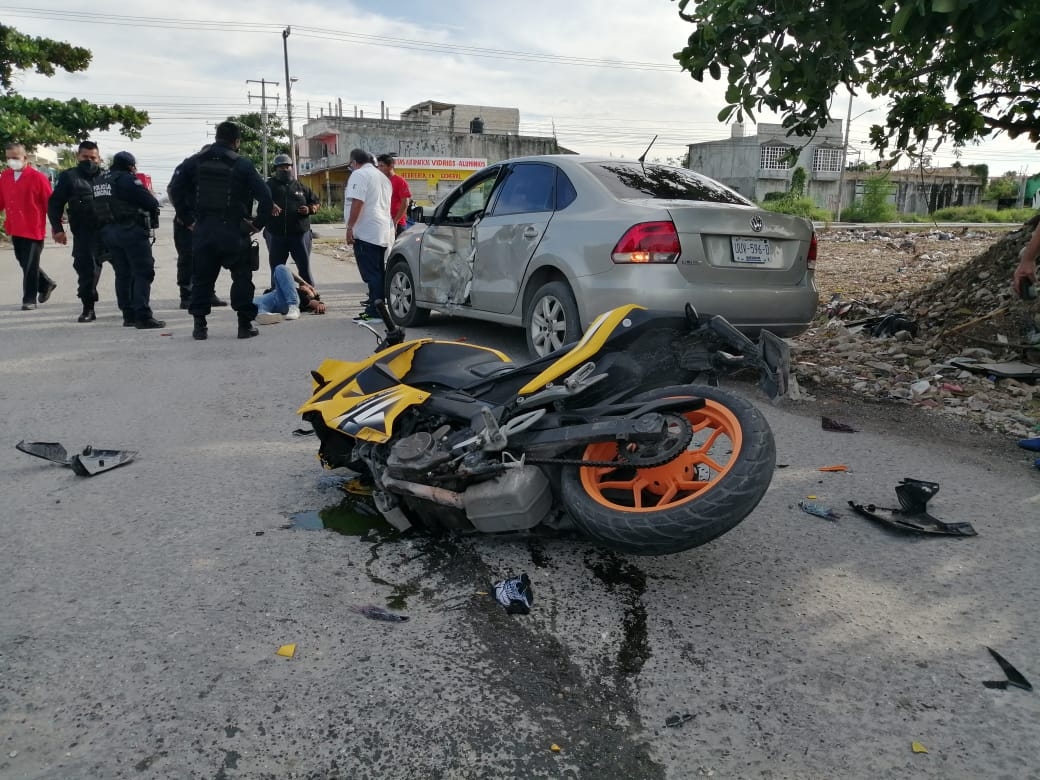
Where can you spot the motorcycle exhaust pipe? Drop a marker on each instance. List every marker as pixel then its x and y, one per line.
pixel 437 495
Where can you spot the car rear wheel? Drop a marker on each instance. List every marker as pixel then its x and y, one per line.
pixel 551 319
pixel 400 296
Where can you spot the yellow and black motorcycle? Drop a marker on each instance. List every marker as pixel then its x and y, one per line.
pixel 609 436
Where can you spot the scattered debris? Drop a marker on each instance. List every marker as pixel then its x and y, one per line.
pixel 378 613
pixel 673 721
pixel 1014 677
pixel 819 511
pixel 836 468
pixel 1030 444
pixel 917 747
pixel 913 495
pixel 555 748
pixel 515 594
pixel 303 432
pixel 1009 369
pixel 837 427
pixel 286 651
pixel 87 463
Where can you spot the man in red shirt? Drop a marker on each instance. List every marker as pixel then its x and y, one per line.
pixel 24 193
pixel 399 192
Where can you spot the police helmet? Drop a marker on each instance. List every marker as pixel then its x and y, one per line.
pixel 282 159
pixel 124 161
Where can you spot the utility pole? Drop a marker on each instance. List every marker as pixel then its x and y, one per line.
pixel 264 129
pixel 288 95
pixel 844 148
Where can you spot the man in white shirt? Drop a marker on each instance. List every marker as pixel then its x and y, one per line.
pixel 366 210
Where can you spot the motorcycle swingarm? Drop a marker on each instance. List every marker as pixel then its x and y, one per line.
pixel 547 443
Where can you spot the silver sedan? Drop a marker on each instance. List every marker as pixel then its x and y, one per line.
pixel 550 242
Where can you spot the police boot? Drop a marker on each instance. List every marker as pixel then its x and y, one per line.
pixel 246 329
pixel 200 332
pixel 149 323
pixel 88 313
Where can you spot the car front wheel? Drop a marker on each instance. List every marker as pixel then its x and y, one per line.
pixel 551 319
pixel 400 296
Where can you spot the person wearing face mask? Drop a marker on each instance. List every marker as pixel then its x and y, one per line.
pixel 289 225
pixel 213 192
pixel 24 193
pixel 74 190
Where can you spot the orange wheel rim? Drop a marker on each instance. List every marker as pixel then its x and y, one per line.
pixel 716 446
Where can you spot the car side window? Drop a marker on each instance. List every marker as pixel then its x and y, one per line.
pixel 529 188
pixel 471 200
pixel 565 192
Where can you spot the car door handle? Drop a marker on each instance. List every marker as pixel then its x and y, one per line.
pixel 530 232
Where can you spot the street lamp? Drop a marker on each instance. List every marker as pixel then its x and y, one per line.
pixel 844 150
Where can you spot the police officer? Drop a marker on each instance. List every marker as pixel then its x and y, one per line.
pixel 289 225
pixel 75 190
pixel 127 212
pixel 182 243
pixel 213 192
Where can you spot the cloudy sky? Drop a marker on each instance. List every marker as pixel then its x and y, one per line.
pixel 598 73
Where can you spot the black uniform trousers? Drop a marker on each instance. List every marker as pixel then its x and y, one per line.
pixel 34 281
pixel 134 268
pixel 88 253
pixel 281 245
pixel 219 244
pixel 182 241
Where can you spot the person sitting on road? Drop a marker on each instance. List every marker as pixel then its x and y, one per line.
pixel 287 298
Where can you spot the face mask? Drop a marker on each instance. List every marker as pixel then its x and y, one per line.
pixel 87 167
pixel 15 165
pixel 282 175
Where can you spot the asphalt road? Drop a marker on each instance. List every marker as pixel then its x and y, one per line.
pixel 143 607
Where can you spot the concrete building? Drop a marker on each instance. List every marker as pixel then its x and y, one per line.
pixel 440 144
pixel 757 165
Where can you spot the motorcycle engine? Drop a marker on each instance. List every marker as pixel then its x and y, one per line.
pixel 415 456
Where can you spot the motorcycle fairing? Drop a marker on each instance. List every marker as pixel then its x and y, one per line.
pixel 371 418
pixel 598 333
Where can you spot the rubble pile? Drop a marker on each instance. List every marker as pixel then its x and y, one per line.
pixel 952 290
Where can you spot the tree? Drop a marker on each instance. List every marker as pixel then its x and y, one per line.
pixel 253 138
pixel 1005 187
pixel 952 70
pixel 34 121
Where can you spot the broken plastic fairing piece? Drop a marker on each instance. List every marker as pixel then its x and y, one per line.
pixel 87 463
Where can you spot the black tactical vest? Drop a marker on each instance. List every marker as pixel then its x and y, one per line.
pixel 109 209
pixel 215 192
pixel 81 198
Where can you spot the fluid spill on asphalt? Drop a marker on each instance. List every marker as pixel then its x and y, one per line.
pixel 629 582
pixel 350 517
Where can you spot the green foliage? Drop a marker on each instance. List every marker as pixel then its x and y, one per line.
pixel 951 70
pixel 798 180
pixel 46 122
pixel 875 205
pixel 981 171
pixel 980 214
pixel 326 215
pixel 253 139
pixel 1007 186
pixel 798 207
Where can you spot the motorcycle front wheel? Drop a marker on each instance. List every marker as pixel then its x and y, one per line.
pixel 699 495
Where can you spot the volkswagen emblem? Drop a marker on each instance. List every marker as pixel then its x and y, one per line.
pixel 757 224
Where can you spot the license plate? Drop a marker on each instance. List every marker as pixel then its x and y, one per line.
pixel 750 250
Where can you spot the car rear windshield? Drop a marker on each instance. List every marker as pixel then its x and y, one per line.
pixel 632 180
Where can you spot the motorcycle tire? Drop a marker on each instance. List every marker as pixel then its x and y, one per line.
pixel 699 495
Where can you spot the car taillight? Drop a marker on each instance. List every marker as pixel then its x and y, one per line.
pixel 810 259
pixel 648 242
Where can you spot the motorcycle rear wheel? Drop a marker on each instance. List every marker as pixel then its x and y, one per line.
pixel 701 494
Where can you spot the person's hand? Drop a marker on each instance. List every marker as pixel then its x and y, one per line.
pixel 1026 271
pixel 316 307
pixel 303 210
pixel 350 236
pixel 60 237
pixel 276 211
